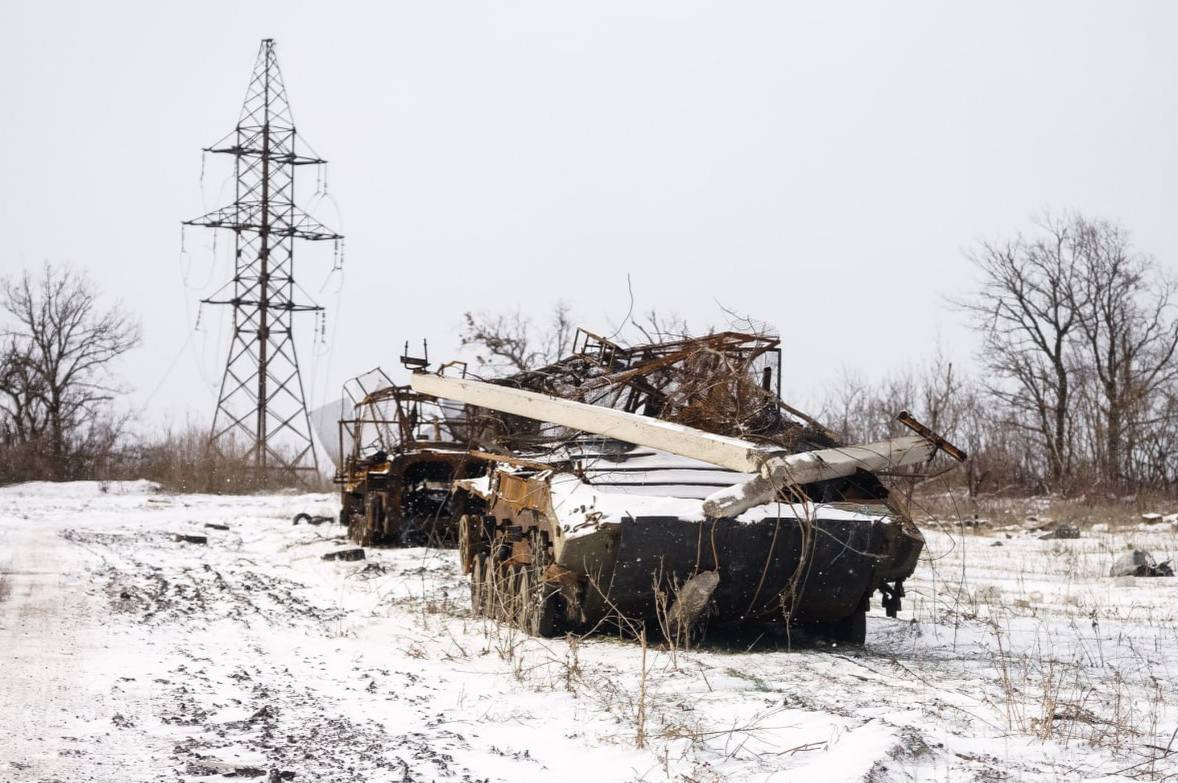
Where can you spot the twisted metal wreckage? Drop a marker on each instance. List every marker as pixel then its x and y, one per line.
pixel 665 482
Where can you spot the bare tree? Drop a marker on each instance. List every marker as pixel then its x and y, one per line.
pixel 1027 317
pixel 511 342
pixel 1156 456
pixel 941 387
pixel 22 413
pixel 1129 336
pixel 655 327
pixel 56 370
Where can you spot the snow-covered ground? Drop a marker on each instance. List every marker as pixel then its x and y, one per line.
pixel 127 655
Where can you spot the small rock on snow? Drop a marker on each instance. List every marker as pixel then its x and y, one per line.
pixel 345 554
pixel 1063 530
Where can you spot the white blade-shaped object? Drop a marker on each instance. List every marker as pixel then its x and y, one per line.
pixel 732 453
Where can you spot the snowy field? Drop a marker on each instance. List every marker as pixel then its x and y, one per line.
pixel 127 655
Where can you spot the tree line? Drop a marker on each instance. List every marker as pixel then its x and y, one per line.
pixel 58 419
pixel 1078 389
pixel 1079 353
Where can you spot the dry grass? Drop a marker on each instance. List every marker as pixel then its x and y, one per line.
pixel 184 461
pixel 951 507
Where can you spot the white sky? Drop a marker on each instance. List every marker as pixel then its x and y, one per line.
pixel 819 166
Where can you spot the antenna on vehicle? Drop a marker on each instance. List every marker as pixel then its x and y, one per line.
pixel 415 363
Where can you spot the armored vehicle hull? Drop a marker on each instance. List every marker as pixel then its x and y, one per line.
pixel 623 540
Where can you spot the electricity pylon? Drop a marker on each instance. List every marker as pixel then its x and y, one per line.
pixel 261 404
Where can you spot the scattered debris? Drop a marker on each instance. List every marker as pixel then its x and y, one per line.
pixel 216 526
pixel 1140 563
pixel 372 569
pixel 190 538
pixel 352 553
pixel 1037 523
pixel 1062 530
pixel 209 766
pixel 311 520
pixel 996 543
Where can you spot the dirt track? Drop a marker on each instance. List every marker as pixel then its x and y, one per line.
pixel 128 655
pixel 66 671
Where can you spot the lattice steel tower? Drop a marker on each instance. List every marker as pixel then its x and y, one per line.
pixel 262 405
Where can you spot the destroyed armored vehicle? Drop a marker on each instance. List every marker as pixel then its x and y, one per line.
pixel 668 484
pixel 402 451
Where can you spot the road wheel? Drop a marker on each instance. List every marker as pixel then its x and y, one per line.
pixel 465 550
pixel 523 615
pixel 477 587
pixel 490 588
pixel 509 608
pixel 538 598
pixel 373 517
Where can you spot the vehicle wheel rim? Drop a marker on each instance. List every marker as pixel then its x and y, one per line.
pixel 464 554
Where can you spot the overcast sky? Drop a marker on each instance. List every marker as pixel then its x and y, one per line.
pixel 819 166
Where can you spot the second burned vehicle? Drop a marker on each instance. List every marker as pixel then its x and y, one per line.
pixel 668 483
pixel 400 454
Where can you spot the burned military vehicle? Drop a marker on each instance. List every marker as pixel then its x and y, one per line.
pixel 402 451
pixel 668 483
